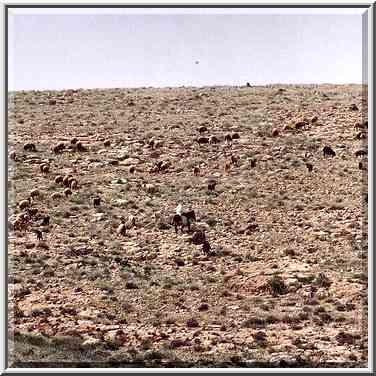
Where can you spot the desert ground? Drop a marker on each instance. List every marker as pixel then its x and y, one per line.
pixel 284 283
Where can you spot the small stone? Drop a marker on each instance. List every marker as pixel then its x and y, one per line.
pixel 192 323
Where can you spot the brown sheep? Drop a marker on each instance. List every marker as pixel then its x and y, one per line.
pixel 275 132
pixel 30 147
pixel 67 192
pixel 196 171
pixel 32 212
pixel 121 230
pixel 59 179
pixel 25 203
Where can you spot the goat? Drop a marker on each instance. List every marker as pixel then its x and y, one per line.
pixel 253 162
pixel 213 140
pixel 74 141
pixel 227 167
pixel 202 129
pixel 80 146
pixel 196 171
pixel 211 185
pixel 96 201
pixel 24 203
pixel 182 219
pixel 202 140
pixel 39 234
pixel 46 220
pixel 31 212
pixel 132 169
pixel 198 237
pixel 206 246
pixel 30 147
pixel 34 193
pixel 235 136
pixel 58 148
pixel 328 151
pixel 66 180
pixel 126 225
pixel 228 138
pixel 67 192
pixel 360 153
pixel 309 166
pixel 59 179
pixel 107 143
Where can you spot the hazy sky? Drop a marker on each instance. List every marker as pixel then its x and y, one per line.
pixel 56 51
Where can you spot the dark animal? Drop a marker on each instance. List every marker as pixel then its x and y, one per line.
pixel 360 135
pixel 213 140
pixel 198 237
pixel 361 167
pixel 74 141
pixel 46 220
pixel 202 129
pixel 234 160
pixel 253 163
pixel 228 138
pixel 80 147
pixel 328 151
pixel 235 136
pixel 248 84
pixel 96 201
pixel 360 153
pixel 202 140
pixel 29 147
pixel 309 166
pixel 206 246
pixel 38 234
pixel 211 185
pixel 184 219
pixel 353 107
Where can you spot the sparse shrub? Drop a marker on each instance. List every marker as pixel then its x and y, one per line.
pixel 277 286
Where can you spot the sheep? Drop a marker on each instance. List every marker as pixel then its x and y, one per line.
pixel 96 201
pixel 213 140
pixel 74 141
pixel 228 138
pixel 34 193
pixel 196 171
pixel 177 221
pixel 67 192
pixel 45 168
pixel 12 155
pixel 30 147
pixel 360 153
pixel 107 143
pixel 73 184
pixel 275 132
pixel 314 119
pixel 328 151
pixel 56 196
pixel 59 179
pixel 253 162
pixel 202 129
pixel 309 166
pixel 300 125
pixel 360 165
pixel 202 140
pixel 25 203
